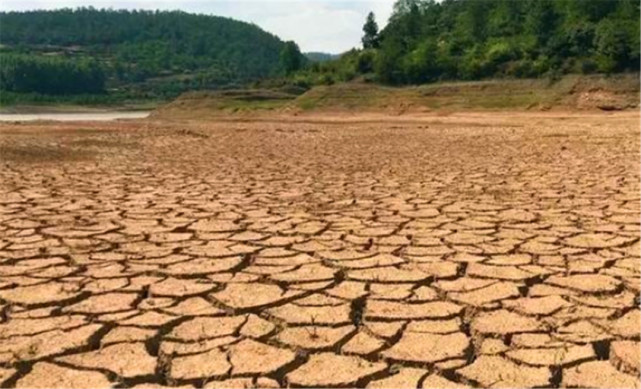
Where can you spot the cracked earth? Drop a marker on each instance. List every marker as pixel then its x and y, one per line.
pixel 486 250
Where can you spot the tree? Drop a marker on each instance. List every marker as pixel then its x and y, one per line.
pixel 413 24
pixel 388 61
pixel 403 7
pixel 505 19
pixel 55 76
pixel 421 64
pixel 611 46
pixel 291 58
pixel 542 20
pixel 370 39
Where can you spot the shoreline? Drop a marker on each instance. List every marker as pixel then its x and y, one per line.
pixel 73 116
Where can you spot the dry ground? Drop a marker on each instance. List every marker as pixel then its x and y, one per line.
pixel 489 250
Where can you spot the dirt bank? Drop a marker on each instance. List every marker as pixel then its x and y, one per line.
pixel 571 93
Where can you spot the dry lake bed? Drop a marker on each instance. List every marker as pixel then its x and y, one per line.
pixel 470 250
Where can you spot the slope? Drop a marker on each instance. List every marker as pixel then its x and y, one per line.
pixel 148 53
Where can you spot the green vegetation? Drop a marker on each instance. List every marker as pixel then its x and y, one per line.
pixel 224 102
pixel 130 54
pixel 291 58
pixel 50 75
pixel 427 41
pixel 315 56
pixel 88 56
pixel 370 32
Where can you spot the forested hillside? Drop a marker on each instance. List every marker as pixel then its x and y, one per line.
pixel 138 52
pixel 314 56
pixel 426 41
pixel 101 55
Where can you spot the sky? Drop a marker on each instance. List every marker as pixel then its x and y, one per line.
pixel 331 26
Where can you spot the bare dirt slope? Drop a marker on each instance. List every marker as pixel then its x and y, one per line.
pixel 571 92
pixel 487 250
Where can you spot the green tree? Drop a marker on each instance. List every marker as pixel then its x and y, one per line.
pixel 471 25
pixel 420 65
pixel 542 20
pixel 404 7
pixel 506 19
pixel 612 45
pixel 55 76
pixel 370 30
pixel 291 58
pixel 388 62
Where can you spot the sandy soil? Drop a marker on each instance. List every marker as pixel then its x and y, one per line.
pixel 487 250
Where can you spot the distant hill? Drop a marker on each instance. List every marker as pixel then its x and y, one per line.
pixel 151 53
pixel 315 56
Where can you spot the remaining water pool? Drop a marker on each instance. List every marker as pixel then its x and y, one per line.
pixel 80 116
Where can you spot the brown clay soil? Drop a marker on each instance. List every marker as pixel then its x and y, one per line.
pixel 477 250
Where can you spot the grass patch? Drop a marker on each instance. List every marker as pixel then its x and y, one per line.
pixel 224 102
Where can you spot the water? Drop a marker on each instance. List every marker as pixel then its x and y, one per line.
pixel 69 117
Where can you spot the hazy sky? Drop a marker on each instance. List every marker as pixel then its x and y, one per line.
pixel 316 25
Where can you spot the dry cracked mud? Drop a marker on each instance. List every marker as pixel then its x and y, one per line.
pixel 477 250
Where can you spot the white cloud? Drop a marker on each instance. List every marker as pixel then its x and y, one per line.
pixel 316 25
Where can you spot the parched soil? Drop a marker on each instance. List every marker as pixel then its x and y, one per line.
pixel 477 250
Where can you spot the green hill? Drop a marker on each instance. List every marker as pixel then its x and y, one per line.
pixel 143 54
pixel 468 39
pixel 428 41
